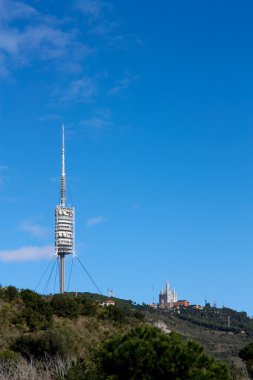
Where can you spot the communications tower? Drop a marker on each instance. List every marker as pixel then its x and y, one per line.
pixel 64 225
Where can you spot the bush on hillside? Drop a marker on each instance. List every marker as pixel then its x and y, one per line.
pixel 61 342
pixel 9 355
pixel 65 306
pixel 115 313
pixel 36 313
pixel 9 293
pixel 77 371
pixel 87 307
pixel 246 354
pixel 69 306
pixel 146 353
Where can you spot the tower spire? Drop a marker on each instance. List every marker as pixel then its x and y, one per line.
pixel 63 174
pixel 63 152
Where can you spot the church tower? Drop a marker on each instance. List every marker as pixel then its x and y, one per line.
pixel 168 297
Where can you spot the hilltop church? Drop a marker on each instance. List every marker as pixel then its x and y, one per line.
pixel 168 297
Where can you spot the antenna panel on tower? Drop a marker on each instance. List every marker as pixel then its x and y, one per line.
pixel 64 230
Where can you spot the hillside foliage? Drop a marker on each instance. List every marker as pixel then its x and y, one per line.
pixel 145 353
pixel 223 319
pixel 74 337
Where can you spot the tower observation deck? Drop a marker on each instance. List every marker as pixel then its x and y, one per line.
pixel 64 225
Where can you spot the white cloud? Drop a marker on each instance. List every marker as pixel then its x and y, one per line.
pixel 97 13
pixel 95 123
pixel 34 229
pixel 124 41
pixel 104 29
pixel 95 220
pixel 80 90
pixel 92 8
pixel 122 84
pixel 47 41
pixel 41 41
pixel 13 10
pixel 29 253
pixel 36 36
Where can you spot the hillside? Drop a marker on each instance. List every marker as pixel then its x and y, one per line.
pixel 73 326
pixel 208 327
pixel 222 344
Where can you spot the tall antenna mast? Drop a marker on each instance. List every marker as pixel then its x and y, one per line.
pixel 63 174
pixel 64 225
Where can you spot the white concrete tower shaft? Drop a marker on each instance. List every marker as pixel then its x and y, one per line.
pixel 62 272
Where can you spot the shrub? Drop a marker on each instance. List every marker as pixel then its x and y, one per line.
pixel 9 355
pixel 246 354
pixel 37 313
pixel 53 342
pixel 87 307
pixel 65 306
pixel 139 315
pixel 146 353
pixel 9 293
pixel 115 313
pixel 77 371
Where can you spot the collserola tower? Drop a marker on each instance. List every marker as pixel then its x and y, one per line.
pixel 64 225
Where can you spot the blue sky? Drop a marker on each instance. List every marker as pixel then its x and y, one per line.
pixel 157 103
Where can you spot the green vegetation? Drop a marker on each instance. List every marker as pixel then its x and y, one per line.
pixel 72 336
pixel 59 342
pixel 145 353
pixel 36 313
pixel 217 319
pixel 246 354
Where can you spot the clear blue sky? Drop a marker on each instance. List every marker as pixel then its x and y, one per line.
pixel 157 103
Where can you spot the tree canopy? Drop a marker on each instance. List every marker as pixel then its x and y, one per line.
pixel 246 354
pixel 146 353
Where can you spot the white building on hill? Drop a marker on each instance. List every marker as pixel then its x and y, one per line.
pixel 167 297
